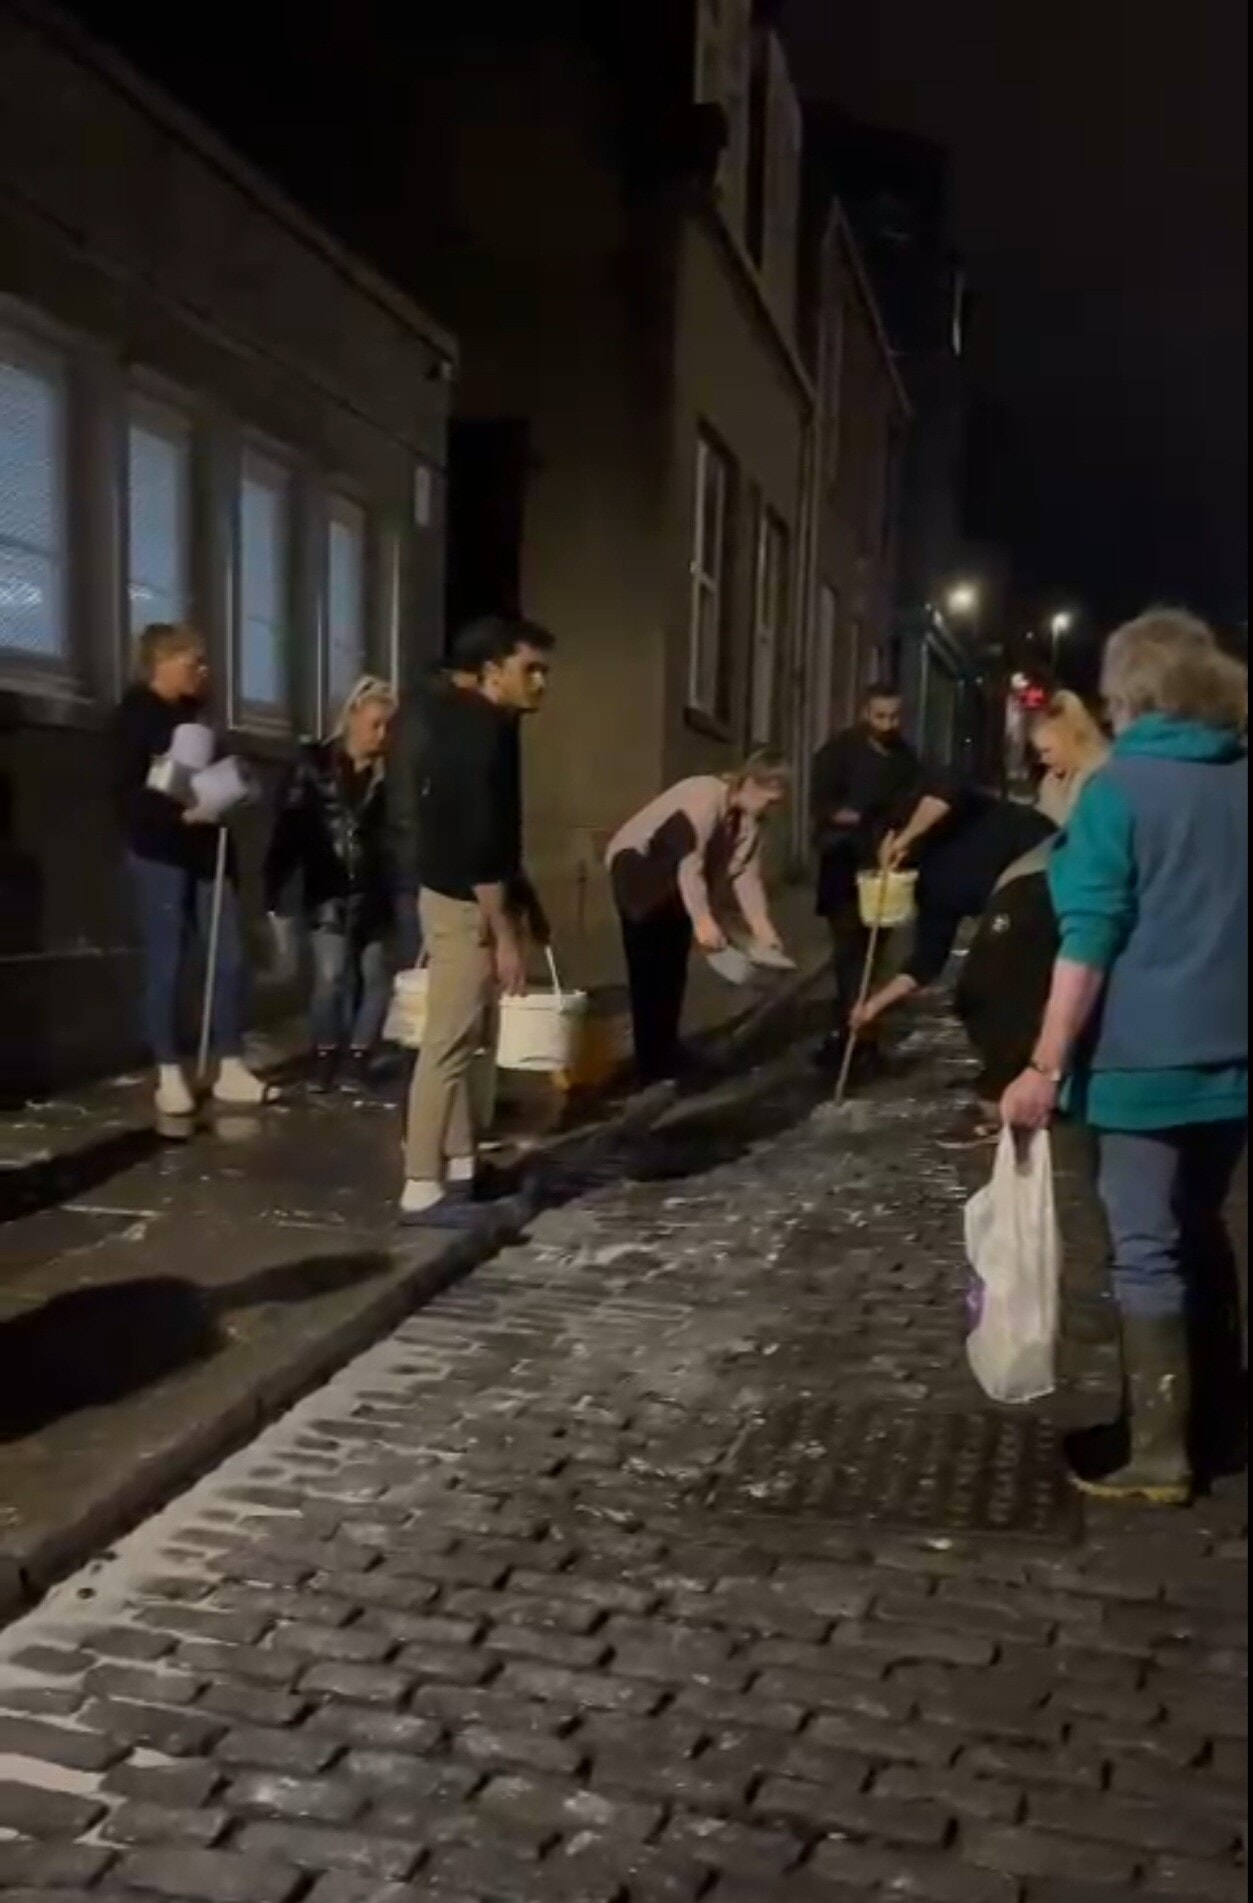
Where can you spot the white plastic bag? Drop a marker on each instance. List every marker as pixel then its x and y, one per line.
pixel 1015 1249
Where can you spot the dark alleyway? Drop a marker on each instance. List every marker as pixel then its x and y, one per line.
pixel 669 1557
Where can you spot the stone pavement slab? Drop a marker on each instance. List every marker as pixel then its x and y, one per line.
pixel 483 1618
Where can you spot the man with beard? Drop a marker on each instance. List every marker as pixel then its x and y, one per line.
pixel 865 782
pixel 457 842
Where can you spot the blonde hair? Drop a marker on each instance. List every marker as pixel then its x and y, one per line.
pixel 158 641
pixel 764 767
pixel 367 689
pixel 1075 719
pixel 1169 662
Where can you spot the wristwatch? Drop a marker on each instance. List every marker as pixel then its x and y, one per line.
pixel 1054 1077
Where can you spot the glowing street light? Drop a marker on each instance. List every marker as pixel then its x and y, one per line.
pixel 963 598
pixel 1062 623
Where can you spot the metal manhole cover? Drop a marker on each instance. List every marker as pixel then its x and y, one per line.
pixel 962 1473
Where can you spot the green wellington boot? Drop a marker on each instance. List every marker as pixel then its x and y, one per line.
pixel 1146 1456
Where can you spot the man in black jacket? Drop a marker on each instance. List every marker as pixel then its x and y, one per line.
pixel 458 672
pixel 457 841
pixel 864 781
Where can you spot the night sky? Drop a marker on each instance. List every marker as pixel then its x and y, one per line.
pixel 1099 168
pixel 1099 165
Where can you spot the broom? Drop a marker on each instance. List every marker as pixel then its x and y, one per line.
pixel 863 992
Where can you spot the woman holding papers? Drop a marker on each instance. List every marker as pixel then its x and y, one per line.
pixel 162 748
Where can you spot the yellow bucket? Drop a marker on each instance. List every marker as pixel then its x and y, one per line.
pixel 886 899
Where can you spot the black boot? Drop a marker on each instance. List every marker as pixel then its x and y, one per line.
pixel 1145 1455
pixel 360 1070
pixel 324 1069
pixel 829 1055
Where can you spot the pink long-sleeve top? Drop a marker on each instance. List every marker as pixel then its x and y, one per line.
pixel 690 839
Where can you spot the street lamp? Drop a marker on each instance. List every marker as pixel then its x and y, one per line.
pixel 963 598
pixel 1060 625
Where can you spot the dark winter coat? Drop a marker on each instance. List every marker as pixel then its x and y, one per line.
pixel 153 825
pixel 330 836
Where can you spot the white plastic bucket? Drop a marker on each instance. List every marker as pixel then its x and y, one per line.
pixel 539 1031
pixel 886 899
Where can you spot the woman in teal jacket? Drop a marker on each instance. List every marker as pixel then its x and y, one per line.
pixel 1145 1035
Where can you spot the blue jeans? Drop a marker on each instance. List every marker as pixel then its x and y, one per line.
pixel 174 907
pixel 1164 1192
pixel 351 990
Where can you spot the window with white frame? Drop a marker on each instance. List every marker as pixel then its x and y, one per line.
pixel 707 628
pixel 264 578
pixel 158 514
pixel 770 600
pixel 346 644
pixel 34 621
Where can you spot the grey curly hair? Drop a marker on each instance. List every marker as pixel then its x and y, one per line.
pixel 1169 662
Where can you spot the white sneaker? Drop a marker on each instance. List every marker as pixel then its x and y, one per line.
pixel 173 1093
pixel 238 1085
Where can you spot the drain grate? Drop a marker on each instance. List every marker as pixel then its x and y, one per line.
pixel 875 1465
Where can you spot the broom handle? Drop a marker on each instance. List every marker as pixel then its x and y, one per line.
pixel 211 969
pixel 552 972
pixel 863 991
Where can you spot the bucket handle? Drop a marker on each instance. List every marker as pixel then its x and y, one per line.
pixel 424 960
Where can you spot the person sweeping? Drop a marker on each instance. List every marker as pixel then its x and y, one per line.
pixel 965 850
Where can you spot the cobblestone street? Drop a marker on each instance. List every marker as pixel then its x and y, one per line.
pixel 668 1557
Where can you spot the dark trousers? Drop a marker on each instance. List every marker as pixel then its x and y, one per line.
pixel 1164 1193
pixel 657 949
pixel 850 942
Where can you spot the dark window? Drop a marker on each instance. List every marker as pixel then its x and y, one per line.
pixel 488 461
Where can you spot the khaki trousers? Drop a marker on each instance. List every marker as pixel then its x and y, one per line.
pixel 460 1007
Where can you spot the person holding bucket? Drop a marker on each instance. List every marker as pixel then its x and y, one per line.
pixel 666 865
pixel 466 844
pixel 175 854
pixel 330 833
pixel 971 846
pixel 863 783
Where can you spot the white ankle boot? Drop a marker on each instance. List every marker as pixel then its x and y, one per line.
pixel 238 1085
pixel 173 1095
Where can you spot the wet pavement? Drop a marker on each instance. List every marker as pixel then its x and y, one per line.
pixel 160 1300
pixel 149 1290
pixel 669 1557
